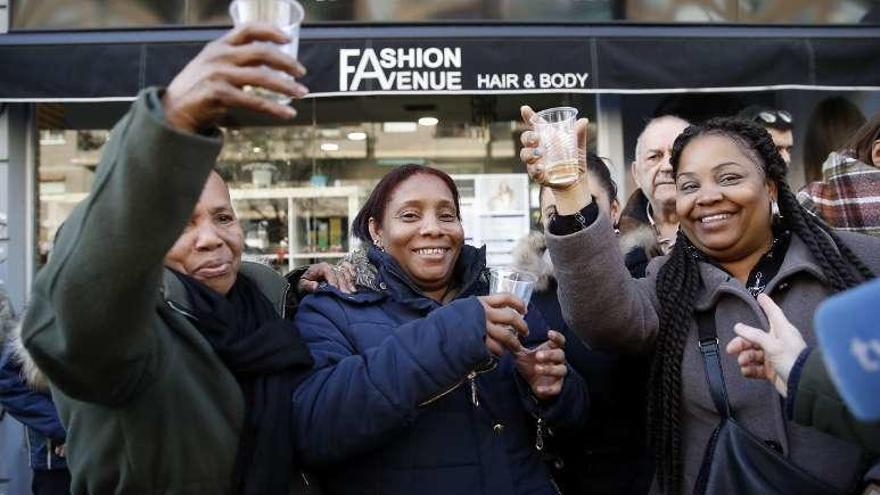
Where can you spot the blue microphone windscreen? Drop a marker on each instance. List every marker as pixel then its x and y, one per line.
pixel 848 329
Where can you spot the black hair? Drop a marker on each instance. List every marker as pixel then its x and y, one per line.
pixel 861 144
pixel 599 168
pixel 678 283
pixel 378 200
pixel 833 122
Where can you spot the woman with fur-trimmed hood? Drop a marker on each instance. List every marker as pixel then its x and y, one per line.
pixel 610 454
pixel 24 394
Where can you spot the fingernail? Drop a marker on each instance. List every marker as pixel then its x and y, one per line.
pixel 289 112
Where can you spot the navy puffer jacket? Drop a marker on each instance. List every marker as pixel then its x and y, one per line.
pixel 34 409
pixel 405 399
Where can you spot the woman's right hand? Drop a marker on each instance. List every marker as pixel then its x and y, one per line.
pixel 212 82
pixel 504 323
pixel 570 197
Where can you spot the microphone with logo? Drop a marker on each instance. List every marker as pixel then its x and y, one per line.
pixel 848 329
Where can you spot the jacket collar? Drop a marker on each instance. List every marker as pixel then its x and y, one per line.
pixel 379 275
pixel 269 282
pixel 716 281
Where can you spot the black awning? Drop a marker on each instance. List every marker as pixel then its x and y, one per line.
pixel 350 60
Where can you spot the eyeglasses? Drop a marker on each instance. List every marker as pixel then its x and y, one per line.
pixel 772 116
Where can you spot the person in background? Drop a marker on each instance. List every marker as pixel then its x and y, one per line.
pixel 731 248
pixel 169 358
pixel 778 123
pixel 24 394
pixel 832 124
pixel 648 222
pixel 610 455
pixel 421 383
pixel 848 196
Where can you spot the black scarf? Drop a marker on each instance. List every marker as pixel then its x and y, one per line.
pixel 268 359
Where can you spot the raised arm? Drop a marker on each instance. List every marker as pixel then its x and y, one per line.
pixel 92 313
pixel 599 299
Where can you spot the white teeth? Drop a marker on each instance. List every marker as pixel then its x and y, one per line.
pixel 715 218
pixel 431 251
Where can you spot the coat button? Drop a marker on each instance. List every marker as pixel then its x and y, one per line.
pixel 784 286
pixel 498 428
pixel 382 285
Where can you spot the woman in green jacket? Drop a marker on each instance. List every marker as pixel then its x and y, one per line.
pixel 170 359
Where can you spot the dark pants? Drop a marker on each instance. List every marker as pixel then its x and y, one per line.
pixel 51 482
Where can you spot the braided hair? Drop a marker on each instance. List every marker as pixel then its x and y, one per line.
pixel 678 283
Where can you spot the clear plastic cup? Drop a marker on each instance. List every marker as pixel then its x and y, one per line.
pixel 558 134
pixel 286 15
pixel 512 281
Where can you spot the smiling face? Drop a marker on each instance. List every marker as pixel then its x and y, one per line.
pixel 724 199
pixel 651 169
pixel 209 249
pixel 422 232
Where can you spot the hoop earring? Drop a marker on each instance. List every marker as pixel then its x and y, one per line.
pixel 775 214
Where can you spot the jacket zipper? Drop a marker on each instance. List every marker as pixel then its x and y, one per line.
pixel 284 300
pixel 180 310
pixel 472 376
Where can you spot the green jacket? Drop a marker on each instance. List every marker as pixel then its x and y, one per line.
pixel 149 407
pixel 818 404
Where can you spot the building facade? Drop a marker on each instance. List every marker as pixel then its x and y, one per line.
pixel 395 82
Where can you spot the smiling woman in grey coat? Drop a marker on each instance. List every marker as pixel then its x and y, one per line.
pixel 732 246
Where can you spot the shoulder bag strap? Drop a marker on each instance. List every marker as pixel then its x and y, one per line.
pixel 708 344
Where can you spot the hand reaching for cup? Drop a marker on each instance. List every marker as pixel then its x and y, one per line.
pixel 212 82
pixel 504 323
pixel 768 355
pixel 543 367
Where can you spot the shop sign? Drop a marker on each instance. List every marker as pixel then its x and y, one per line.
pixel 448 66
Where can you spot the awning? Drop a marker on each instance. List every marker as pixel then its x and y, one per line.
pixel 465 59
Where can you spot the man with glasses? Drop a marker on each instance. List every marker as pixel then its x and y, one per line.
pixel 778 124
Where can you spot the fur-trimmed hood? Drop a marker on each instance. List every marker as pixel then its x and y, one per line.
pixel 29 370
pixel 530 253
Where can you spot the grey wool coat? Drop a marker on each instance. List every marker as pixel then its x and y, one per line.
pixel 614 311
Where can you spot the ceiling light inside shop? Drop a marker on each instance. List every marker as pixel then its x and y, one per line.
pixel 428 121
pixel 394 127
pixel 329 147
pixel 357 136
pixel 257 149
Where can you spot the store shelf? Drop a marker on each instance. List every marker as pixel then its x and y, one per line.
pixel 280 215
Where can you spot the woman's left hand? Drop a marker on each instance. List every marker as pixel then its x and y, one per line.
pixel 543 367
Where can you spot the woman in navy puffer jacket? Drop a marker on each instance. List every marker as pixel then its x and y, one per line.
pixel 420 384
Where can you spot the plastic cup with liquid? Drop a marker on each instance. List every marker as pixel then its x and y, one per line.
pixel 556 128
pixel 286 15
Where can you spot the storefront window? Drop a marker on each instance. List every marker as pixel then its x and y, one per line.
pixel 296 188
pixel 97 14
